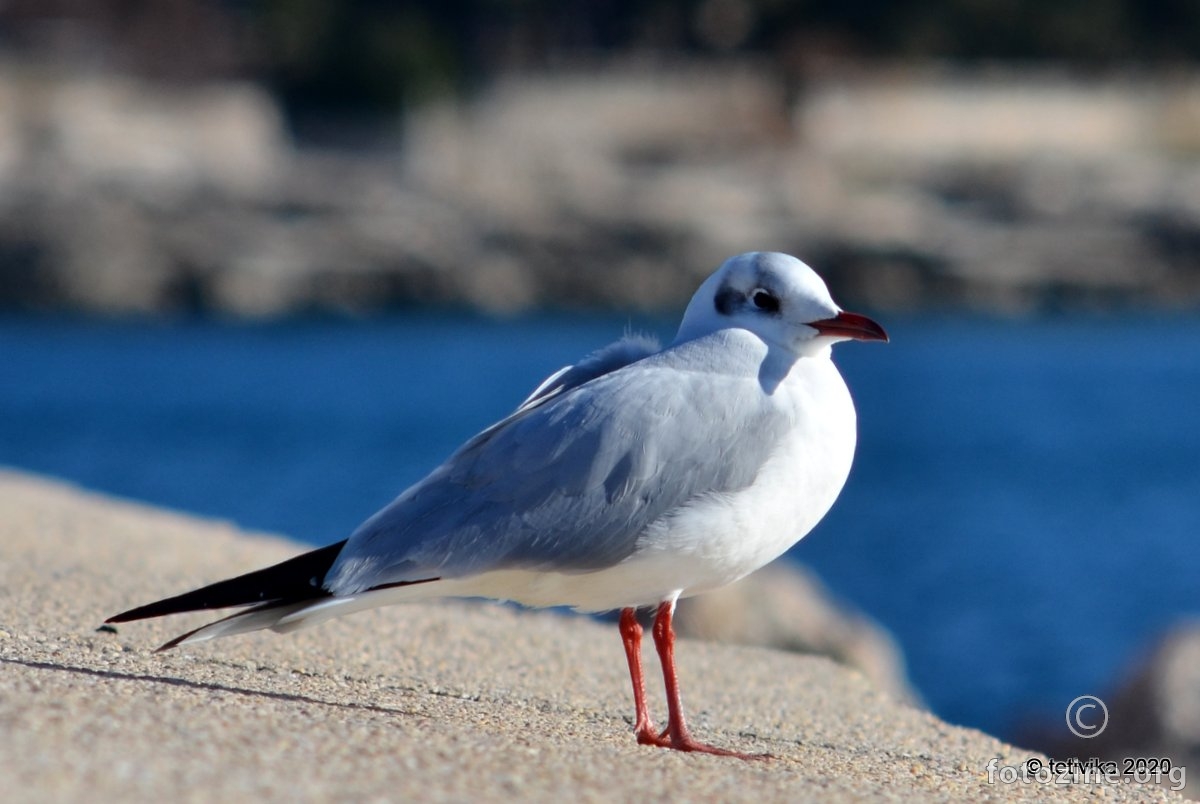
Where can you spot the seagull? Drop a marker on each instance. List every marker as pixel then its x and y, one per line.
pixel 636 477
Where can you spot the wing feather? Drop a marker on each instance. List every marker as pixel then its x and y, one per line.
pixel 570 484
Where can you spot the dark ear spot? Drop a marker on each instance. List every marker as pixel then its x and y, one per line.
pixel 726 301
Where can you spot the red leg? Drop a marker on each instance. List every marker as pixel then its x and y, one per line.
pixel 631 635
pixel 677 735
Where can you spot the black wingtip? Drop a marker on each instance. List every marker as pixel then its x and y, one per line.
pixel 175 642
pixel 297 578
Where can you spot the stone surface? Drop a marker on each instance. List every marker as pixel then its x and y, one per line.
pixel 433 702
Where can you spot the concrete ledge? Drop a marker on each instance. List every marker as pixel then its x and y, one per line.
pixel 432 702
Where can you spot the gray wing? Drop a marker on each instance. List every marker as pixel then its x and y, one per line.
pixel 570 484
pixel 618 354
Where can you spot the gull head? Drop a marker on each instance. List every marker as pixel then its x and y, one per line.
pixel 778 298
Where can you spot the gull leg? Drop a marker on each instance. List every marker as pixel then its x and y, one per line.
pixel 677 735
pixel 631 636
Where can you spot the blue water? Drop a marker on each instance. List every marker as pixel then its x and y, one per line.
pixel 1022 514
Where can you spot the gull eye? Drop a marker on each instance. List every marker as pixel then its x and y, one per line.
pixel 765 301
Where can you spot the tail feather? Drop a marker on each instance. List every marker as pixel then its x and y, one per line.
pixel 294 580
pixel 318 611
pixel 284 597
pixel 264 616
pixel 287 616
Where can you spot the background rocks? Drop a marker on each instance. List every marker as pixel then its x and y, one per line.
pixel 1153 712
pixel 786 607
pixel 619 188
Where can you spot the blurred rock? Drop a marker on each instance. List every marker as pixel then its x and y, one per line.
pixel 165 144
pixel 621 187
pixel 10 144
pixel 785 606
pixel 939 116
pixel 1153 712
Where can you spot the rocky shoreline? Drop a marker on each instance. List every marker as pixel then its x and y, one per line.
pixel 617 188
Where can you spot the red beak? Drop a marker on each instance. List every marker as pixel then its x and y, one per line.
pixel 850 325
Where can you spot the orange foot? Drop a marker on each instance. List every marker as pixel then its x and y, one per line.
pixel 685 742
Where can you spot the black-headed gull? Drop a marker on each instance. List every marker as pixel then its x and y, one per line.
pixel 634 478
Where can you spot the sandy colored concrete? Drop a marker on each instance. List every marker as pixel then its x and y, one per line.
pixel 453 701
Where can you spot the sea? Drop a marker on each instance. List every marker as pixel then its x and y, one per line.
pixel 1023 514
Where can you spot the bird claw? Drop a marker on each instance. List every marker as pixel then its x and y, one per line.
pixel 685 742
pixel 646 735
